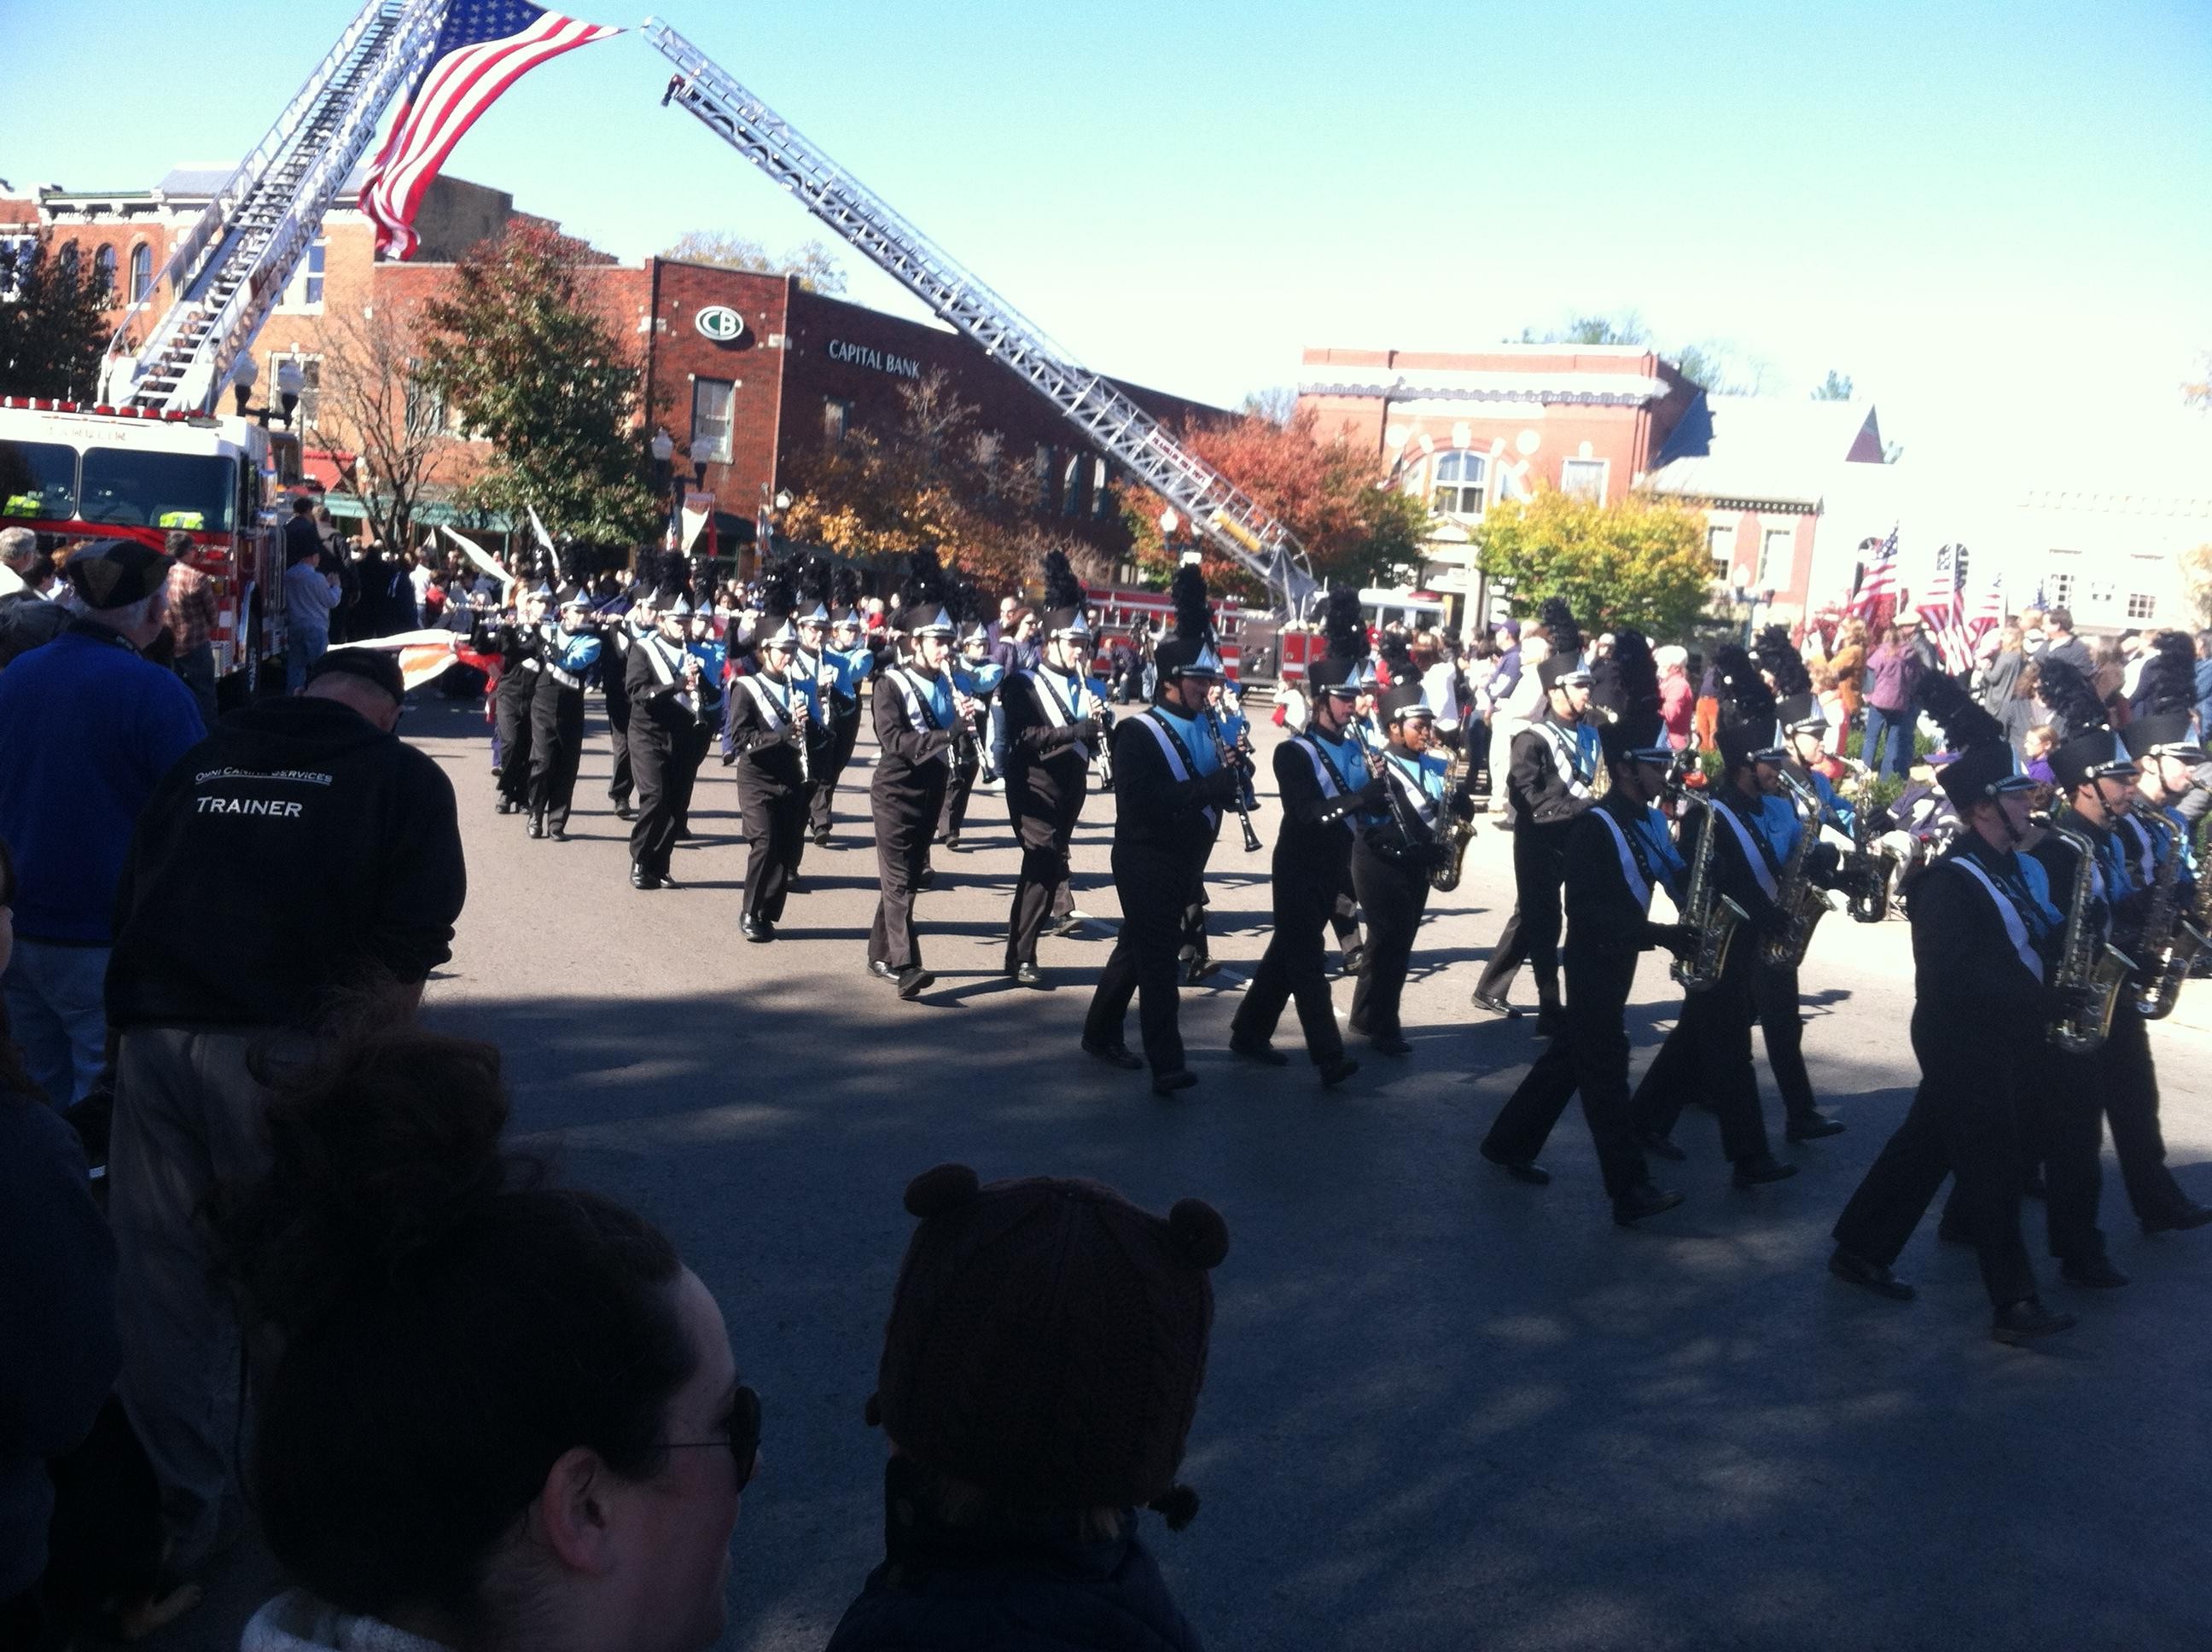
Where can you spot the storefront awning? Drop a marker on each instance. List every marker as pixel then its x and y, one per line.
pixel 430 513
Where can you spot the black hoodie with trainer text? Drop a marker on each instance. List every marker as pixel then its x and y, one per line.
pixel 298 851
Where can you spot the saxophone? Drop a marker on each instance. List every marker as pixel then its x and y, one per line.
pixel 1444 877
pixel 2170 942
pixel 1705 911
pixel 2091 969
pixel 1800 899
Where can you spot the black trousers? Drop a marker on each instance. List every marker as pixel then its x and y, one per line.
pixel 844 732
pixel 1394 898
pixel 903 820
pixel 1709 1053
pixel 510 720
pixel 621 782
pixel 775 839
pixel 1593 1059
pixel 1965 1120
pixel 1344 912
pixel 956 792
pixel 667 763
pixel 1774 994
pixel 1155 886
pixel 1193 947
pixel 2125 1080
pixel 1294 966
pixel 1531 935
pixel 557 748
pixel 1041 889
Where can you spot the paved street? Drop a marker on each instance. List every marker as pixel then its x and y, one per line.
pixel 1445 1410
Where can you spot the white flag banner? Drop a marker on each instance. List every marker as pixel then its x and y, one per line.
pixel 697 508
pixel 477 555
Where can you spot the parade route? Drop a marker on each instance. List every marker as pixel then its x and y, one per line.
pixel 1445 1410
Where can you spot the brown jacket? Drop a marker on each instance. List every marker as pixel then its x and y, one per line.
pixel 1845 671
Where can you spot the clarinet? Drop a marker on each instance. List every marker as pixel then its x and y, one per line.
pixel 1228 760
pixel 799 721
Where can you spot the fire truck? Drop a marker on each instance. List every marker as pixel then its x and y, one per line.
pixel 152 452
pixel 1117 610
pixel 1299 643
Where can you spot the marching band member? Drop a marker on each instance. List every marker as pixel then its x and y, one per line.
pixel 517 639
pixel 1618 852
pixel 1322 778
pixel 1396 849
pixel 566 655
pixel 1554 760
pixel 1708 1054
pixel 1056 719
pixel 624 625
pixel 671 724
pixel 1985 936
pixel 1170 785
pixel 917 711
pixel 977 677
pixel 775 730
pixel 848 662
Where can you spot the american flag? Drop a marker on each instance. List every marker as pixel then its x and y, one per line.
pixel 1878 580
pixel 1943 612
pixel 1990 612
pixel 485 48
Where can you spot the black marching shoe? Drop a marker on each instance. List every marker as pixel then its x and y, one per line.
pixel 1644 1199
pixel 1521 1170
pixel 666 882
pixel 2026 1320
pixel 1389 1044
pixel 537 825
pixel 1759 1168
pixel 1028 974
pixel 1334 1074
pixel 954 844
pixel 755 929
pixel 1116 1055
pixel 821 840
pixel 1551 1022
pixel 507 805
pixel 1854 1269
pixel 558 834
pixel 1660 1147
pixel 1811 1127
pixel 881 970
pixel 2094 1273
pixel 1495 1005
pixel 2185 1215
pixel 1259 1050
pixel 913 982
pixel 1166 1084
pixel 623 811
pixel 641 879
pixel 927 879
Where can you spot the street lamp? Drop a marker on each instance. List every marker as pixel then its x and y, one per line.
pixel 702 451
pixel 290 381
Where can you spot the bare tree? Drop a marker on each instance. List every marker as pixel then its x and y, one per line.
pixel 372 401
pixel 811 261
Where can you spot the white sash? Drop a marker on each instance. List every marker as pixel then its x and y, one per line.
pixel 1324 771
pixel 756 686
pixel 1637 885
pixel 1426 808
pixel 1564 751
pixel 657 651
pixel 1150 723
pixel 917 707
pixel 1750 849
pixel 1054 713
pixel 2015 931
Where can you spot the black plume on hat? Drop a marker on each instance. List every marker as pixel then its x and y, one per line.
pixel 1559 622
pixel 816 574
pixel 1343 626
pixel 2068 695
pixel 1398 654
pixel 1188 593
pixel 923 588
pixel 779 589
pixel 1062 589
pixel 845 588
pixel 1780 658
pixel 2168 684
pixel 1748 716
pixel 1965 724
pixel 1627 683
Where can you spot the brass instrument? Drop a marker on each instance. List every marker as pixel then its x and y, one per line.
pixel 1454 833
pixel 1711 916
pixel 2091 969
pixel 2170 942
pixel 1802 902
pixel 1229 761
pixel 1869 867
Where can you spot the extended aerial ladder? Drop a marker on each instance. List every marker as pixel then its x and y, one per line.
pixel 1230 519
pixel 231 268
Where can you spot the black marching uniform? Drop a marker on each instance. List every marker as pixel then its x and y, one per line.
pixel 913 721
pixel 1052 721
pixel 556 725
pixel 1546 785
pixel 519 647
pixel 614 685
pixel 767 724
pixel 1390 868
pixel 670 728
pixel 1169 790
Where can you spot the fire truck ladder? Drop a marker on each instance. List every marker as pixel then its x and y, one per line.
pixel 229 270
pixel 1215 506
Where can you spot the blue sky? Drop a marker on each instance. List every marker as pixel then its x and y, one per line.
pixel 1970 209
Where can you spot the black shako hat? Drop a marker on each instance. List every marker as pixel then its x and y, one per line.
pixel 1750 728
pixel 1403 700
pixel 1190 652
pixel 1985 768
pixel 1625 686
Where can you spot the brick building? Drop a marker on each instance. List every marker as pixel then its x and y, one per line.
pixel 756 367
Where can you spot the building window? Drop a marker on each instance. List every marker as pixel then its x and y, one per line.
pixel 1720 544
pixel 1460 485
pixel 2059 590
pixel 141 272
pixel 1777 550
pixel 2142 605
pixel 710 416
pixel 70 261
pixel 1047 500
pixel 426 406
pixel 836 419
pixel 1075 485
pixel 103 273
pixel 1583 477
pixel 1102 495
pixel 315 271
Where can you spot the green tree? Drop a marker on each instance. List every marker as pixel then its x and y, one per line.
pixel 524 361
pixel 53 323
pixel 1836 387
pixel 813 263
pixel 1625 328
pixel 1639 560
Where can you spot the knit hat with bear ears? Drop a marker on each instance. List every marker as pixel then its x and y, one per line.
pixel 1047 1340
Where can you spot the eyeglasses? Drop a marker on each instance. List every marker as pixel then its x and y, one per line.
pixel 743 1429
